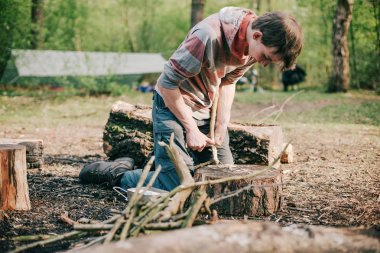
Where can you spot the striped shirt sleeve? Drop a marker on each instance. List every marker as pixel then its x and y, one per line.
pixel 233 76
pixel 186 61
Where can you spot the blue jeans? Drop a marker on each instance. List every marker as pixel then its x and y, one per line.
pixel 165 123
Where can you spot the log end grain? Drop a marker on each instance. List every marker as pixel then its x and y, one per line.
pixel 262 199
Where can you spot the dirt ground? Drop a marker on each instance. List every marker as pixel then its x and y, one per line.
pixel 335 180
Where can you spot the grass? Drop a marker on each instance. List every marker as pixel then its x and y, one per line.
pixel 318 107
pixel 310 107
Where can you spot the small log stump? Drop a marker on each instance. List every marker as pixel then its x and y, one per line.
pixel 287 155
pixel 264 198
pixel 14 190
pixel 34 150
pixel 128 132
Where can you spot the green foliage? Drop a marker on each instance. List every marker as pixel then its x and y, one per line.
pixel 364 56
pixel 161 25
pixel 11 27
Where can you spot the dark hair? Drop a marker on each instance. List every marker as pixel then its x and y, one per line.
pixel 282 31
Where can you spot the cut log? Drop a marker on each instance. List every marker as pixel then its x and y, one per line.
pixel 14 190
pixel 34 150
pixel 263 198
pixel 245 238
pixel 287 155
pixel 128 132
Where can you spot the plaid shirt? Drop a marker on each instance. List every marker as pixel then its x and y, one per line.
pixel 211 55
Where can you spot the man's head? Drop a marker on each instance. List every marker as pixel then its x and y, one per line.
pixel 275 37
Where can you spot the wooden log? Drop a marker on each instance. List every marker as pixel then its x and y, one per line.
pixel 34 150
pixel 128 132
pixel 287 155
pixel 246 238
pixel 263 198
pixel 14 190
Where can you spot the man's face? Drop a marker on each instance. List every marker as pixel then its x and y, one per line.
pixel 263 55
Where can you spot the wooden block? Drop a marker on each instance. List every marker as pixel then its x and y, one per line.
pixel 287 156
pixel 128 132
pixel 14 190
pixel 34 150
pixel 263 198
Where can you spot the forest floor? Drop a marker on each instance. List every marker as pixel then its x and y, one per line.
pixel 335 180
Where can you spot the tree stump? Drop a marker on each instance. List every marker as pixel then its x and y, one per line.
pixel 14 190
pixel 34 150
pixel 128 132
pixel 263 198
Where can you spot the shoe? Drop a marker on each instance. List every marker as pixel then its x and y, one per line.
pixel 106 171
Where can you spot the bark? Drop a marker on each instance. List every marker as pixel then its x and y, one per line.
pixel 262 198
pixel 14 190
pixel 245 238
pixel 197 11
pixel 128 132
pixel 34 150
pixel 38 23
pixel 340 80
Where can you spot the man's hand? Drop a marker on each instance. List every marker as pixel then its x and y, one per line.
pixel 196 140
pixel 220 133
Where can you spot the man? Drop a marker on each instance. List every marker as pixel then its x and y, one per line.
pixel 214 55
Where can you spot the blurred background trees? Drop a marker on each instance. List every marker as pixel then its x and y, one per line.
pixel 161 25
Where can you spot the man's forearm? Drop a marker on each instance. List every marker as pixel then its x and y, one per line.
pixel 226 98
pixel 174 101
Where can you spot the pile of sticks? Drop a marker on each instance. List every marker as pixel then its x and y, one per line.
pixel 166 212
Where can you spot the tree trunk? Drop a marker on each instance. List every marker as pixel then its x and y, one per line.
pixel 37 24
pixel 34 150
pixel 245 238
pixel 8 16
pixel 197 11
pixel 128 132
pixel 263 198
pixel 14 190
pixel 340 80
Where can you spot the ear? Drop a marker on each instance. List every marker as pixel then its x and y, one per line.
pixel 257 35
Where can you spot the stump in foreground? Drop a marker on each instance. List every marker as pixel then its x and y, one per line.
pixel 261 195
pixel 128 132
pixel 34 150
pixel 14 190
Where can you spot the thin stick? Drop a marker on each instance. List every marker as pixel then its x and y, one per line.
pixel 89 227
pixel 262 110
pixel 54 239
pixel 93 242
pixel 202 195
pixel 65 218
pixel 212 125
pixel 280 110
pixel 127 225
pixel 163 225
pixel 135 198
pixel 111 234
pixel 201 165
pixel 285 102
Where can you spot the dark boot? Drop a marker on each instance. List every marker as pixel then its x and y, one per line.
pixel 106 171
